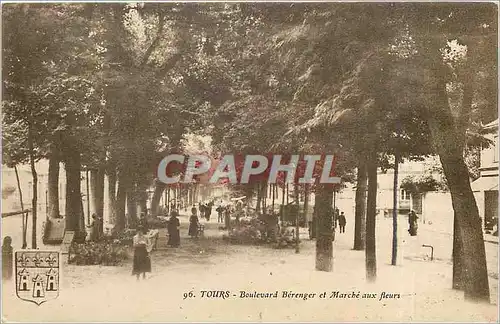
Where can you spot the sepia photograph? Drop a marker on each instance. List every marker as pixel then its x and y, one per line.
pixel 249 162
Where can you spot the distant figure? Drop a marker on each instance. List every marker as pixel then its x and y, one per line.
pixel 227 217
pixel 142 247
pixel 201 208
pixel 220 217
pixel 100 227
pixel 239 212
pixel 193 223
pixel 143 223
pixel 412 222
pixel 7 252
pixel 342 222
pixel 174 239
pixel 94 228
pixel 208 210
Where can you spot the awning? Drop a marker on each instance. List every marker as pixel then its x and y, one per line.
pixel 485 184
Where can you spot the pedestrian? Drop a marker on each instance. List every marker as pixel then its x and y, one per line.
pixel 227 217
pixel 239 212
pixel 342 222
pixel 174 239
pixel 412 222
pixel 100 227
pixel 193 223
pixel 201 208
pixel 208 211
pixel 94 228
pixel 7 252
pixel 142 247
pixel 220 210
pixel 143 223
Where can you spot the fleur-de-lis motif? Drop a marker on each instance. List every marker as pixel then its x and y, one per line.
pixel 37 259
pixel 51 260
pixel 24 260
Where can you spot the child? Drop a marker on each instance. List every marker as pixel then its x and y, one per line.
pixel 193 223
pixel 142 247
pixel 7 258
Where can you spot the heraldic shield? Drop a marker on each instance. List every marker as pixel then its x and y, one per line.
pixel 37 275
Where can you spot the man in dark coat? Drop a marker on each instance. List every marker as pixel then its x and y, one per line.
pixel 342 222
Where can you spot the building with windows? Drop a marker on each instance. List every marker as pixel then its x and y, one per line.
pixel 406 201
pixel 486 187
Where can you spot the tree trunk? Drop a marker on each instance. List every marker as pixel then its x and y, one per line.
pixel 142 198
pixel 371 214
pixel 112 194
pixel 264 196
pixel 297 219
pixel 282 204
pixel 34 200
pixel 448 134
pixel 395 212
pixel 121 195
pixel 324 246
pixel 167 198
pixel 93 189
pixel 132 204
pixel 273 186
pixel 306 203
pixel 73 191
pixel 97 195
pixel 53 183
pixel 475 279
pixel 155 201
pixel 259 198
pixel 457 282
pixel 87 187
pixel 24 216
pixel 360 207
pixel 81 220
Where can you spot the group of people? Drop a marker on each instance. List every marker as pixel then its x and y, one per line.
pixel 206 209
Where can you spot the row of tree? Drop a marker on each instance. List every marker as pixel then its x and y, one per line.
pixel 112 88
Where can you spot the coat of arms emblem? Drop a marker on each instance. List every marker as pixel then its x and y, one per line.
pixel 37 275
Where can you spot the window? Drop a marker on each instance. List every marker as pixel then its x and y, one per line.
pixel 495 149
pixel 405 195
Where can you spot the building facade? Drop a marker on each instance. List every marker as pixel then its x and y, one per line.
pixel 486 187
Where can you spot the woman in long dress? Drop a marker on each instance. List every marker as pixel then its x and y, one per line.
pixel 142 247
pixel 193 223
pixel 174 239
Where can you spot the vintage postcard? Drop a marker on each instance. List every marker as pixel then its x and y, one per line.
pixel 249 162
